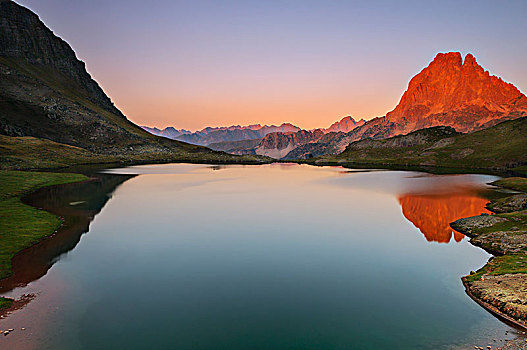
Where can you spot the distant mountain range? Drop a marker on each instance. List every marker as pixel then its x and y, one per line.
pixel 451 91
pixel 211 135
pixel 255 139
pixel 221 137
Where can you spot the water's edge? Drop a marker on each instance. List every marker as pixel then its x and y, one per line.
pixel 33 262
pixel 45 252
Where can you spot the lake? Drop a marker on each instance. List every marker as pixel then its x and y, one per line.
pixel 282 256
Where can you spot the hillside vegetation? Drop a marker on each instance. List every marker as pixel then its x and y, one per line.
pixel 502 147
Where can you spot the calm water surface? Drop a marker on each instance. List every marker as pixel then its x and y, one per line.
pixel 262 257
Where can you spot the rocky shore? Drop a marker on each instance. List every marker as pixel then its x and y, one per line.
pixel 501 285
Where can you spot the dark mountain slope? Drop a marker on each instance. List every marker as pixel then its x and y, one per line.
pixel 46 93
pixel 23 35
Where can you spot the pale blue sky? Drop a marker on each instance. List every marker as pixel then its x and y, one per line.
pixel 197 63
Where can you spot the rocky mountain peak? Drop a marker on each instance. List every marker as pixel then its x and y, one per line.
pixel 470 60
pixel 451 85
pixel 346 124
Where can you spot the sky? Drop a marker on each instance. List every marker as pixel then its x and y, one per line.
pixel 191 64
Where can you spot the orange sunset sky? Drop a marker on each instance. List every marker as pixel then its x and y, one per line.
pixel 191 64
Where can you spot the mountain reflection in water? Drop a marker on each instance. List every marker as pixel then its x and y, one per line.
pixel 432 213
pixel 78 204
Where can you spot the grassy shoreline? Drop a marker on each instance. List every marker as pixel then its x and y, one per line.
pixel 500 285
pixel 30 153
pixel 22 225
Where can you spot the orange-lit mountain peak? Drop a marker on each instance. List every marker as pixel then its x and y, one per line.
pixel 458 93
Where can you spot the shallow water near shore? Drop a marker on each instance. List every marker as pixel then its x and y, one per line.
pixel 280 256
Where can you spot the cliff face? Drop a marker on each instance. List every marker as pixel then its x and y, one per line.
pixel 456 93
pixel 279 144
pixel 306 144
pixel 449 92
pixel 25 37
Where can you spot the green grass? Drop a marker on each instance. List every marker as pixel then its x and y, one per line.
pixel 516 224
pixel 512 183
pixel 5 303
pixel 34 153
pixel 501 265
pixel 521 170
pixel 22 153
pixel 22 225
